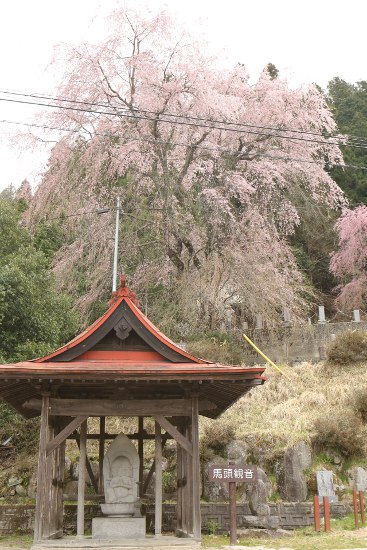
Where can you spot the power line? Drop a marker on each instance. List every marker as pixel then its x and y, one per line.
pixel 200 146
pixel 187 117
pixel 167 114
pixel 209 125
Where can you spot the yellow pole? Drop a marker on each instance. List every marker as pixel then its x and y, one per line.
pixel 263 354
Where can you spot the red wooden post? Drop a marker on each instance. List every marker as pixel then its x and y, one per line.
pixel 326 513
pixel 232 511
pixel 316 512
pixel 355 508
pixel 361 504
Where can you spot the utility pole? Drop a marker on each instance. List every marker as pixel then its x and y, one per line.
pixel 114 275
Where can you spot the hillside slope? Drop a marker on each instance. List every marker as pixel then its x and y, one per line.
pixel 321 404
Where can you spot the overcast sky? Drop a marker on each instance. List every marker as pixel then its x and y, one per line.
pixel 309 41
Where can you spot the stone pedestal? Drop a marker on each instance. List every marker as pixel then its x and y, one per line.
pixel 121 477
pixel 118 528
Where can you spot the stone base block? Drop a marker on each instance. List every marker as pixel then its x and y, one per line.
pixel 262 522
pixel 118 528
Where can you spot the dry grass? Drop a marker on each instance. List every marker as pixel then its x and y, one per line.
pixel 287 409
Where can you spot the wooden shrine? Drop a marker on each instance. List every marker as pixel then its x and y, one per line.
pixel 122 365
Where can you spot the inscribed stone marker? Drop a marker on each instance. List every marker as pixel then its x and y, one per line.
pixel 325 487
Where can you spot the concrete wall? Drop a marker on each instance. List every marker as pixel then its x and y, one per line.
pixel 293 345
pixel 19 519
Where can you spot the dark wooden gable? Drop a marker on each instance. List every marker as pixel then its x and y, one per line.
pixel 112 342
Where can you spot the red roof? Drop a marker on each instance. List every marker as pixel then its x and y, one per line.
pixel 124 351
pixel 103 369
pixel 123 295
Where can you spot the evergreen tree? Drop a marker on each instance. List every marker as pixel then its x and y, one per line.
pixel 34 317
pixel 349 105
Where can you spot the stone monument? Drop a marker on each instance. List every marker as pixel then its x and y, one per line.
pixel 122 517
pixel 325 486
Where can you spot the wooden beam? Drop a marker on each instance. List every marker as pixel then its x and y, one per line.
pixel 64 434
pixel 97 437
pixel 158 480
pixel 131 407
pixel 173 431
pixel 81 480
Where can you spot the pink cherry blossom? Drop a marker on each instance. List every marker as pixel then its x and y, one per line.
pixel 218 200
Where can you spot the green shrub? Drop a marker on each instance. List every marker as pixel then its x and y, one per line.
pixel 342 431
pixel 348 347
pixel 211 527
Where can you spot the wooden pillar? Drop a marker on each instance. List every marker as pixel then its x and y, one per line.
pixel 232 510
pixel 326 513
pixel 184 507
pixel 316 513
pixel 141 453
pixel 81 479
pixel 102 432
pixel 49 488
pixel 361 505
pixel 60 491
pixel 41 472
pixel 189 492
pixel 196 523
pixel 180 482
pixel 49 508
pixel 184 515
pixel 355 509
pixel 53 466
pixel 56 465
pixel 158 480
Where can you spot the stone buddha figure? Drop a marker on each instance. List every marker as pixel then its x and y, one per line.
pixel 121 476
pixel 120 487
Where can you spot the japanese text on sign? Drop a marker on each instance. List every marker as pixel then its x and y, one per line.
pixel 238 474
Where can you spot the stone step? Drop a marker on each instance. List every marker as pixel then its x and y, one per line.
pixel 148 543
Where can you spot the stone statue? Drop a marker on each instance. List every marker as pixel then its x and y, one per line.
pixel 121 477
pixel 120 488
pixel 122 519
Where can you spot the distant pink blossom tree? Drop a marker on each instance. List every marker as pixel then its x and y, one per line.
pixel 211 157
pixel 349 263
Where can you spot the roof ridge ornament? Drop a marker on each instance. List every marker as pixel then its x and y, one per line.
pixel 123 292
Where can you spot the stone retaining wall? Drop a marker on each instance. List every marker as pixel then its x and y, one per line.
pixel 16 519
pixel 296 344
pixel 19 519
